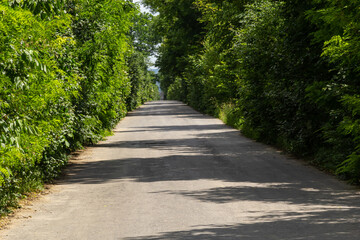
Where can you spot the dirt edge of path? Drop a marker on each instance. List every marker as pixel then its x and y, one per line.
pixel 31 198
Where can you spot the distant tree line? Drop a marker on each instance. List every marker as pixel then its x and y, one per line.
pixel 284 72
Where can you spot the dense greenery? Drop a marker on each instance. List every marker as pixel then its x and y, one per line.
pixel 285 72
pixel 70 71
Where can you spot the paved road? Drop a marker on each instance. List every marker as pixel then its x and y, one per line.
pixel 172 173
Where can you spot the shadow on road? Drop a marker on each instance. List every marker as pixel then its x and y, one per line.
pixel 168 108
pixel 316 226
pixel 177 128
pixel 327 221
pixel 225 156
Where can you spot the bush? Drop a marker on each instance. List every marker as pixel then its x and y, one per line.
pixel 285 72
pixel 64 83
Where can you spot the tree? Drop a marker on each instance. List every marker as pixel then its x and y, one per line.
pixel 181 34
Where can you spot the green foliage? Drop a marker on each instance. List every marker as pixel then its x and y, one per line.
pixel 350 128
pixel 143 81
pixel 231 115
pixel 144 37
pixel 176 90
pixel 284 72
pixel 64 83
pixel 339 34
pixel 182 35
pixel 35 98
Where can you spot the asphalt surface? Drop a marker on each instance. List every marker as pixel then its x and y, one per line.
pixel 170 172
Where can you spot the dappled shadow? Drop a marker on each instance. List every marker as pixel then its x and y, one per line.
pixel 187 168
pixel 294 193
pixel 257 171
pixel 159 103
pixel 166 108
pixel 139 169
pixel 211 156
pixel 289 226
pixel 195 160
pixel 174 128
pixel 248 172
pixel 165 112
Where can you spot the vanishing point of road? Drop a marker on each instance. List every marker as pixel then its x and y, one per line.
pixel 169 172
